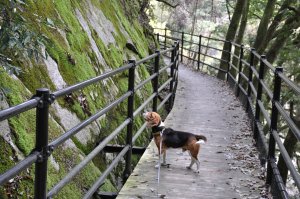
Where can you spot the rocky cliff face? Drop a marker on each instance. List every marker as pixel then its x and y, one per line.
pixel 83 39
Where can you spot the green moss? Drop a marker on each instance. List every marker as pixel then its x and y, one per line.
pixel 36 77
pixel 77 47
pixel 23 181
pixel 67 159
pixel 6 156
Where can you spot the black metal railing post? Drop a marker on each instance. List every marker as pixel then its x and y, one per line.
pixel 41 143
pixel 199 52
pixel 259 94
pixel 157 37
pixel 240 70
pixel 155 80
pixel 165 38
pixel 250 77
pixel 173 65
pixel 182 42
pixel 228 60
pixel 130 110
pixel 274 121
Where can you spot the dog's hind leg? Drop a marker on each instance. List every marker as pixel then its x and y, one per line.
pixel 194 156
pixel 192 161
pixel 198 166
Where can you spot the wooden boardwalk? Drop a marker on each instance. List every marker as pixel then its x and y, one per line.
pixel 229 162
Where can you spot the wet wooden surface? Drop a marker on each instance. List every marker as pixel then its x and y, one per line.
pixel 229 162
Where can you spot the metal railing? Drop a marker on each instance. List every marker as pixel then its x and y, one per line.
pixel 43 100
pixel 260 94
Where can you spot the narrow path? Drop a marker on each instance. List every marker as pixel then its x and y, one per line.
pixel 229 162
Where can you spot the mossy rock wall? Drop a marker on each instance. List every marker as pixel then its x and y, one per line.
pixel 85 38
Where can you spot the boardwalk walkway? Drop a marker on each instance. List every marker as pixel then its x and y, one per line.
pixel 229 162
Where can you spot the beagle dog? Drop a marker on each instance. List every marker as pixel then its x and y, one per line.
pixel 169 138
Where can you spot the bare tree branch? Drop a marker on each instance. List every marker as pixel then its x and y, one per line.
pixel 168 3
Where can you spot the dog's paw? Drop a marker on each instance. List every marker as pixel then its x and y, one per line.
pixel 197 171
pixel 188 167
pixel 156 166
pixel 164 164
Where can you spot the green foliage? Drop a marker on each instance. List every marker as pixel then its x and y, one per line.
pixel 53 25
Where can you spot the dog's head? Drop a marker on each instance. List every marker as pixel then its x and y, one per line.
pixel 152 119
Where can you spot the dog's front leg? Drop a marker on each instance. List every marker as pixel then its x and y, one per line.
pixel 164 163
pixel 162 154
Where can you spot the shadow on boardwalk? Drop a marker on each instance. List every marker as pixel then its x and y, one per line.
pixel 230 167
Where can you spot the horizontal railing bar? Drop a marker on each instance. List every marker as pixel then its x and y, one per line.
pixel 243 90
pixel 269 65
pixel 191 50
pixel 244 76
pixel 104 175
pixel 145 103
pixel 245 62
pixel 291 84
pixel 141 84
pixel 22 165
pixel 254 72
pixel 164 85
pixel 215 39
pixel 262 135
pixel 255 53
pixel 112 148
pixel 191 42
pixel 288 162
pixel 289 121
pixel 253 89
pixel 222 70
pixel 206 55
pixel 266 88
pixel 235 56
pixel 138 62
pixel 164 101
pixel 20 108
pixel 264 112
pixel 233 66
pixel 278 179
pixel 165 51
pixel 164 68
pixel 230 75
pixel 86 83
pixel 86 122
pixel 173 38
pixel 86 160
pixel 139 132
pixel 236 44
pixel 210 47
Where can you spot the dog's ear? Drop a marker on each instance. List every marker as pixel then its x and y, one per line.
pixel 156 118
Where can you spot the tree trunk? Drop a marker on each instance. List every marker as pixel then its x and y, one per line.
pixel 282 36
pixel 193 26
pixel 240 35
pixel 263 25
pixel 231 32
pixel 275 23
pixel 290 143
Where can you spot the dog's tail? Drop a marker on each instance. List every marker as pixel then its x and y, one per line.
pixel 201 139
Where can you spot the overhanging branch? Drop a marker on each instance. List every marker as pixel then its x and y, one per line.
pixel 168 4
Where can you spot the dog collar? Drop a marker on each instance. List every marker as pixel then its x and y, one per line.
pixel 158 128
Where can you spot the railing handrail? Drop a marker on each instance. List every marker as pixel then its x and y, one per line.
pixel 43 100
pixel 251 95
